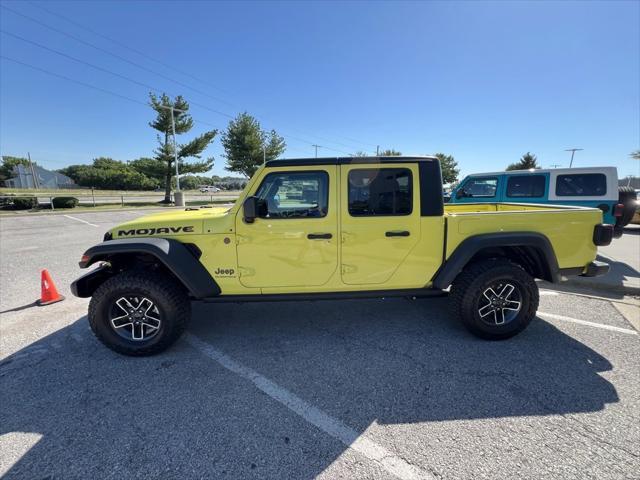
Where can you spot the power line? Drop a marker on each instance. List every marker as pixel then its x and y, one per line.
pixel 124 45
pixel 150 70
pixel 128 78
pixel 77 39
pixel 104 90
pixel 88 85
pixel 106 70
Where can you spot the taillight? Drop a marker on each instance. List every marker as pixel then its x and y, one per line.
pixel 84 259
pixel 618 210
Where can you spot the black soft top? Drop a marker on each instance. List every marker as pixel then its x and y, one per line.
pixel 301 162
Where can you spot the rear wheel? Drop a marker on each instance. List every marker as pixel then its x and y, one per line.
pixel 139 313
pixel 495 299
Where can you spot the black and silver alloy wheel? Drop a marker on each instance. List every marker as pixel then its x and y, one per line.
pixel 499 304
pixel 135 318
pixel 494 298
pixel 139 313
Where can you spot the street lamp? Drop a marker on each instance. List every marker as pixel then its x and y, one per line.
pixel 175 146
pixel 573 152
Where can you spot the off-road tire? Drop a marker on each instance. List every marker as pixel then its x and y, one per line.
pixel 627 196
pixel 467 292
pixel 170 298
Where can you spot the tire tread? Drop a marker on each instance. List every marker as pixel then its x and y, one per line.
pixel 171 293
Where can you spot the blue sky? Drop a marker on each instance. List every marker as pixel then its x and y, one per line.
pixel 483 81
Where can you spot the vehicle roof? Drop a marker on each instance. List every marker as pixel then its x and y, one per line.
pixel 295 162
pixel 548 170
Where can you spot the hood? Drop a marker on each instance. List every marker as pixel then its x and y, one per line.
pixel 168 224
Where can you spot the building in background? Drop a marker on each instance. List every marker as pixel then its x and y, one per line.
pixel 24 178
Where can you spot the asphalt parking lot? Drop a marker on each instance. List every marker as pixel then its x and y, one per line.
pixel 353 389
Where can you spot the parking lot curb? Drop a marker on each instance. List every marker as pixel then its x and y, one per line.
pixel 602 285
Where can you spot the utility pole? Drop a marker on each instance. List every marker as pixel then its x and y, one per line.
pixel 264 154
pixel 377 150
pixel 573 152
pixel 175 146
pixel 175 150
pixel 317 146
pixel 33 172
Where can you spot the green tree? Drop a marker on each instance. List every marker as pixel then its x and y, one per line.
pixel 8 163
pixel 246 145
pixel 193 182
pixel 164 154
pixel 390 152
pixel 150 168
pixel 109 174
pixel 527 162
pixel 635 155
pixel 449 166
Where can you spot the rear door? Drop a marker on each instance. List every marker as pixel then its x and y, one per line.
pixel 380 220
pixel 293 242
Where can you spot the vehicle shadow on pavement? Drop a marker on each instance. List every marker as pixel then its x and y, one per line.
pixel 182 415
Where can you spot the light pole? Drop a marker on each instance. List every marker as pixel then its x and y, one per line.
pixel 317 146
pixel 175 146
pixel 573 152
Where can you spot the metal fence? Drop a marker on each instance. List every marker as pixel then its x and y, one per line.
pixel 46 200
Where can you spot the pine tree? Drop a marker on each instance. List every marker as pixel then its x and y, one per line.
pixel 247 146
pixel 164 154
pixel 528 161
pixel 449 168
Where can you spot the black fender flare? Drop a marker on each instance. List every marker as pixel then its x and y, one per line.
pixel 174 255
pixel 469 247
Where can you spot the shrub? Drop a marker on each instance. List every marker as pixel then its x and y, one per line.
pixel 25 203
pixel 6 200
pixel 65 202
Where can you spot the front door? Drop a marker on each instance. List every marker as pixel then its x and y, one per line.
pixel 380 218
pixel 293 242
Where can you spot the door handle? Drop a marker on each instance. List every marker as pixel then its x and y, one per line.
pixel 397 233
pixel 319 236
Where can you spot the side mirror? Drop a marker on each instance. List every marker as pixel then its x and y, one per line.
pixel 250 209
pixel 461 193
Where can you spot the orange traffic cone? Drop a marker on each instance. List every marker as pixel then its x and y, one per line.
pixel 49 291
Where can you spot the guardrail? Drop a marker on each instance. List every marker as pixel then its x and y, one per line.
pixel 95 200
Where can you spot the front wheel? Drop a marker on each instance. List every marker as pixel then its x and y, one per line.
pixel 139 313
pixel 495 299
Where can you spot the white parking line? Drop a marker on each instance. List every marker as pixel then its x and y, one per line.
pixel 373 451
pixel 26 249
pixel 550 293
pixel 80 220
pixel 589 324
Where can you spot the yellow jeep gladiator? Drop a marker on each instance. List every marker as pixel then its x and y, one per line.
pixel 335 228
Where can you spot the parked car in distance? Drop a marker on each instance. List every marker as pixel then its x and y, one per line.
pixel 209 189
pixel 313 229
pixel 586 187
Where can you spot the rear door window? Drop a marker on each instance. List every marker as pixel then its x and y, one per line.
pixel 380 191
pixel 581 185
pixel 525 186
